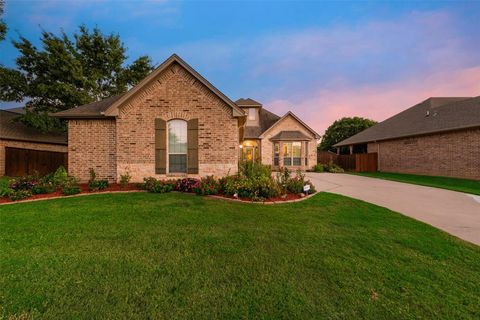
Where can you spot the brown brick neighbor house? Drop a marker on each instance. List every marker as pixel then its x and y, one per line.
pixel 439 136
pixel 174 123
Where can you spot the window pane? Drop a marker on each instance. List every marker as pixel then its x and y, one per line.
pixel 287 161
pixel 177 146
pixel 297 161
pixel 177 136
pixel 287 149
pixel 251 113
pixel 296 149
pixel 177 162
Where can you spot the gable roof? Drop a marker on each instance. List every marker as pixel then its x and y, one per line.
pixel 430 116
pixel 247 103
pixel 291 114
pixel 266 119
pixel 289 135
pixel 109 107
pixel 92 110
pixel 14 130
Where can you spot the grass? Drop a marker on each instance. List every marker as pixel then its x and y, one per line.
pixel 455 184
pixel 4 182
pixel 179 256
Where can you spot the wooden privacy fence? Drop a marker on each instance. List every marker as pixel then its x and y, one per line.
pixel 20 162
pixel 359 162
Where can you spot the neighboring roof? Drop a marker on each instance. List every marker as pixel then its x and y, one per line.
pixel 13 130
pixel 289 135
pixel 267 119
pixel 247 103
pixel 291 114
pixel 430 116
pixel 18 110
pixel 92 110
pixel 109 108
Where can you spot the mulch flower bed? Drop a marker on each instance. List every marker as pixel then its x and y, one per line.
pixel 113 187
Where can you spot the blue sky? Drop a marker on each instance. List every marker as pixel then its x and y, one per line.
pixel 322 60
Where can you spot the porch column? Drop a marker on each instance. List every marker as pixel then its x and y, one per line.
pixel 338 150
pixel 280 154
pixel 351 149
pixel 302 155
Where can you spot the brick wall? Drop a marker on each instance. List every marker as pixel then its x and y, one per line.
pixel 288 124
pixel 92 144
pixel 26 145
pixel 175 94
pixel 452 154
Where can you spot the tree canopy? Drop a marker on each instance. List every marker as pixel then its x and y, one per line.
pixel 3 25
pixel 342 129
pixel 67 72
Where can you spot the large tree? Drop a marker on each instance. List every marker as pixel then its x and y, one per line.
pixel 67 72
pixel 342 129
pixel 3 25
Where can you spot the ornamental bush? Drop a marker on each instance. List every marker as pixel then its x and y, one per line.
pixel 207 186
pixel 70 186
pixel 20 194
pixel 94 184
pixel 187 185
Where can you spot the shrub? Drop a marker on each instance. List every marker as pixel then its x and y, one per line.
pixel 207 186
pixel 226 185
pixel 251 170
pixel 19 194
pixel 24 183
pixel 319 167
pixel 125 179
pixel 5 191
pixel 187 185
pixel 255 189
pixel 60 176
pixel 153 185
pixel 70 186
pixel 94 184
pixel 333 168
pixel 162 187
pixel 44 187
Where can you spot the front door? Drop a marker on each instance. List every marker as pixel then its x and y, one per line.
pixel 249 153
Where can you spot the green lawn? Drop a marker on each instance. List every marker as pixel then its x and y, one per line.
pixel 179 256
pixel 455 184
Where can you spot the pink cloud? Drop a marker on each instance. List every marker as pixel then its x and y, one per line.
pixel 378 102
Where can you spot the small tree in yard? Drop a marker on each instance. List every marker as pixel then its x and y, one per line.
pixel 68 72
pixel 342 129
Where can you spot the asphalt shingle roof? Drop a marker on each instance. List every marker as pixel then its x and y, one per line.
pixel 94 109
pixel 290 135
pixel 267 119
pixel 430 116
pixel 14 130
pixel 248 102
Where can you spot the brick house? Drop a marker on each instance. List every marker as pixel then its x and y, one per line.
pixel 24 150
pixel 174 123
pixel 439 136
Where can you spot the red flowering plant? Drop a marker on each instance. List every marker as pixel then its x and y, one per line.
pixel 187 185
pixel 207 186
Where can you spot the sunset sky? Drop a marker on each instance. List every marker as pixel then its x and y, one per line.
pixel 321 60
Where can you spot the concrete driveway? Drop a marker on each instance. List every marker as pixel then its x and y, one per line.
pixel 454 212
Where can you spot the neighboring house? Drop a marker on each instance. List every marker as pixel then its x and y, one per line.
pixel 174 123
pixel 439 136
pixel 24 150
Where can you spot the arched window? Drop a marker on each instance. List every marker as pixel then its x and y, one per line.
pixel 177 146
